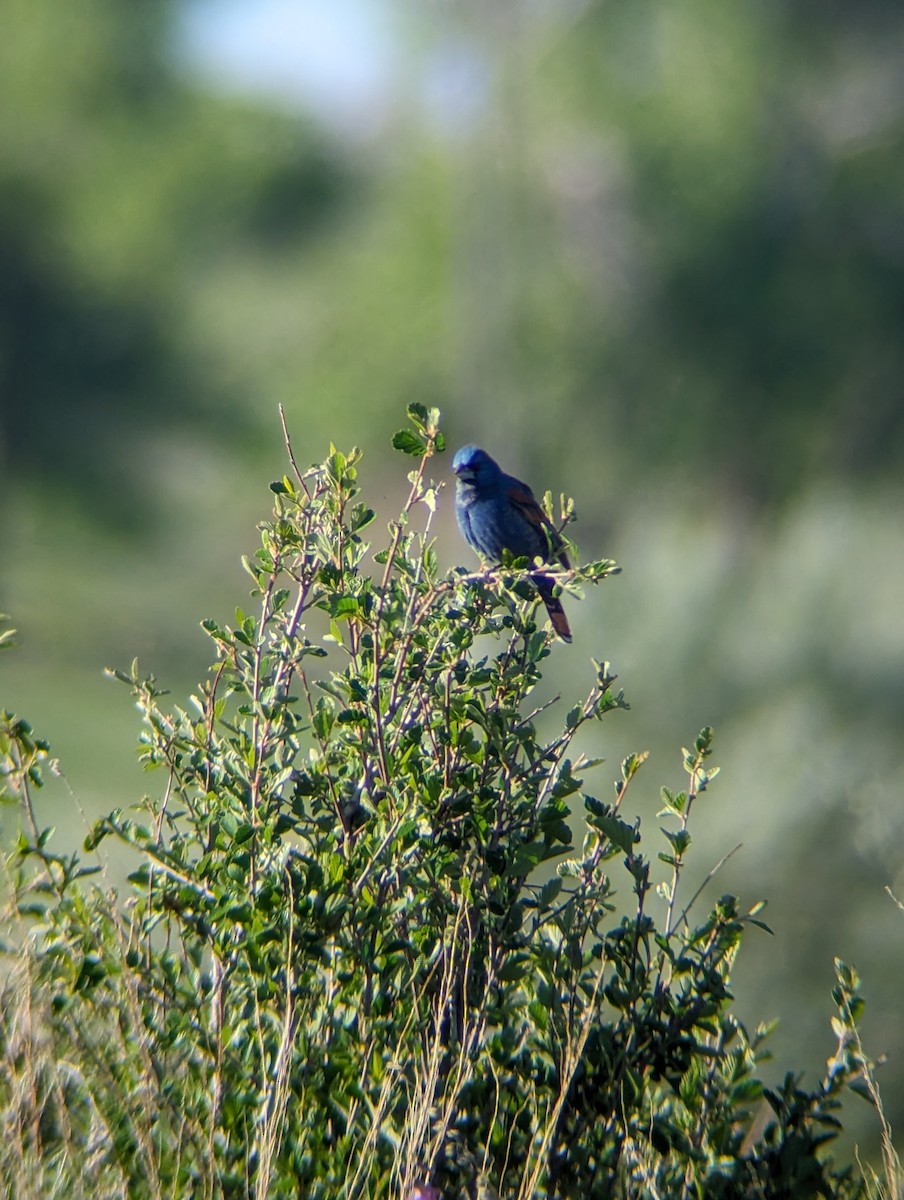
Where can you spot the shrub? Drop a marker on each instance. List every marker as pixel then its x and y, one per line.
pixel 380 939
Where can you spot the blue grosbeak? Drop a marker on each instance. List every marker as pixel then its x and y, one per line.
pixel 497 512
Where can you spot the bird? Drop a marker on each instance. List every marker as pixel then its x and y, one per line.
pixel 497 512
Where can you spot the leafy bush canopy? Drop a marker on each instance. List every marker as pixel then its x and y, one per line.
pixel 379 937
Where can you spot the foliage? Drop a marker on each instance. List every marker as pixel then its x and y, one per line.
pixel 718 184
pixel 126 190
pixel 361 949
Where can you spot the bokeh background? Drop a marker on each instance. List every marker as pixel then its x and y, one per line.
pixel 650 254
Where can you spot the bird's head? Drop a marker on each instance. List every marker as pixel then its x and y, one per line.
pixel 474 467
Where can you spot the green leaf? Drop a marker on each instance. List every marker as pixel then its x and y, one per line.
pixel 361 517
pixel 418 414
pixel 526 856
pixel 632 764
pixel 409 443
pixel 680 840
pixel 611 826
pixel 514 968
pixel 344 606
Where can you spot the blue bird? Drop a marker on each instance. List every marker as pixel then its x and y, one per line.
pixel 497 512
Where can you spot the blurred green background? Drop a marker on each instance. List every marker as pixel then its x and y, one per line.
pixel 650 254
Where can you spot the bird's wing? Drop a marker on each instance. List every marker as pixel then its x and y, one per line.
pixel 524 500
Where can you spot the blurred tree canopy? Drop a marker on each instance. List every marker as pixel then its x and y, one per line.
pixel 120 186
pixel 679 230
pixel 752 155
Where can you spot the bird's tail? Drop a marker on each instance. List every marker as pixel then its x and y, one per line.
pixel 546 587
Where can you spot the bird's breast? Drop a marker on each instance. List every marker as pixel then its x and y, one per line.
pixel 491 525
